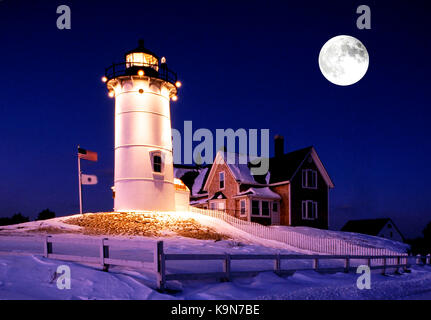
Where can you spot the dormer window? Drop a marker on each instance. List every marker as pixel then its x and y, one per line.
pixel 309 179
pixel 221 179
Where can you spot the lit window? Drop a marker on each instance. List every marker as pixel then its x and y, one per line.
pixel 309 179
pixel 157 163
pixel 242 207
pixel 221 176
pixel 309 210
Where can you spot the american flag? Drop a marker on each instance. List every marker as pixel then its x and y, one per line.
pixel 87 154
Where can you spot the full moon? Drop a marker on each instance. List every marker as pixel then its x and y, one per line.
pixel 343 60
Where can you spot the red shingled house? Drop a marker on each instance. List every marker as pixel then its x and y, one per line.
pixel 294 192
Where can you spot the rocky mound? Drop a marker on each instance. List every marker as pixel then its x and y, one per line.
pixel 142 224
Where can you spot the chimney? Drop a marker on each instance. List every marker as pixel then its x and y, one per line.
pixel 278 146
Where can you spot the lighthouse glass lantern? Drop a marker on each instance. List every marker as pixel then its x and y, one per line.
pixel 141 59
pixel 143 87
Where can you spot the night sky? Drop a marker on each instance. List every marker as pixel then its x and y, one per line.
pixel 243 64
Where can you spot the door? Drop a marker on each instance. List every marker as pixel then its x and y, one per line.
pixel 275 213
pixel 221 206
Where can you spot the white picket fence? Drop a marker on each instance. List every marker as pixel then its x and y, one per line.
pixel 296 239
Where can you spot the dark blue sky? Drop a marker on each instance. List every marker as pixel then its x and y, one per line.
pixel 243 64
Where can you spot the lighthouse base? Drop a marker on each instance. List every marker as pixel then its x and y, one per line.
pixel 144 196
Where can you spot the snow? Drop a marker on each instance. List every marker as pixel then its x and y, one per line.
pixel 200 201
pixel 32 277
pixel 198 182
pixel 26 274
pixel 262 192
pixel 197 185
pixel 238 164
pixel 350 237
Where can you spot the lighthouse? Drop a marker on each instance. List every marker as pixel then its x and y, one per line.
pixel 143 87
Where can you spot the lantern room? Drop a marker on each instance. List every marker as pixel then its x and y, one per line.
pixel 142 57
pixel 141 62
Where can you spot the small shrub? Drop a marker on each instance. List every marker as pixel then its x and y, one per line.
pixel 45 214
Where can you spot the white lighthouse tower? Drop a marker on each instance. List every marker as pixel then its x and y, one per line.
pixel 143 87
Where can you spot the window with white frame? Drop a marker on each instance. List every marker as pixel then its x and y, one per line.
pixel 309 210
pixel 261 208
pixel 275 207
pixel 242 207
pixel 309 179
pixel 221 179
pixel 213 206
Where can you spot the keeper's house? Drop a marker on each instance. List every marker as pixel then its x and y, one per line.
pixel 295 191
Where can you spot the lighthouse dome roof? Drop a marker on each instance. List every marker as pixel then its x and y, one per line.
pixel 141 48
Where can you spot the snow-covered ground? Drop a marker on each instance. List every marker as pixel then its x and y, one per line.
pixel 32 277
pixel 26 274
pixel 350 237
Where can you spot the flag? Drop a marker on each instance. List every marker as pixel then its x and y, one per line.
pixel 88 179
pixel 87 154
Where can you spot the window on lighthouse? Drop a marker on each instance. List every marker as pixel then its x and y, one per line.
pixel 157 163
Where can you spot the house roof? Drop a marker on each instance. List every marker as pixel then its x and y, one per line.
pixel 281 169
pixel 367 226
pixel 264 192
pixel 199 201
pixel 193 176
pixel 285 167
pixel 218 195
pixel 240 166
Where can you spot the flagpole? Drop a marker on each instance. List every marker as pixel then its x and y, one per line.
pixel 79 183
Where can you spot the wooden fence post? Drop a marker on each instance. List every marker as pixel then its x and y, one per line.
pixel 406 262
pixel 226 266
pixel 159 261
pixel 398 264
pixel 277 264
pixel 47 248
pixel 428 260
pixel 418 259
pixel 384 266
pixel 315 264
pixel 347 265
pixel 104 254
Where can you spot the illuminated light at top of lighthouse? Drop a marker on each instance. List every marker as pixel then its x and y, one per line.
pixel 143 86
pixel 141 61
